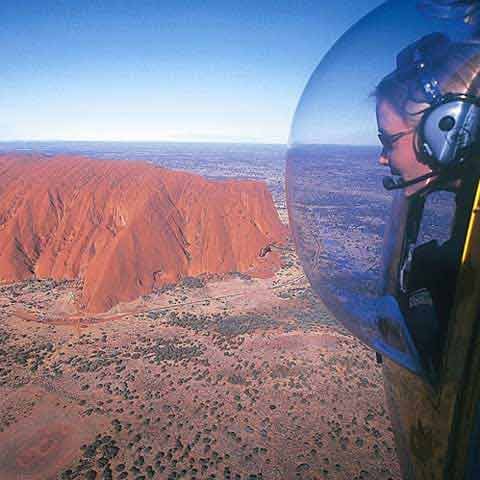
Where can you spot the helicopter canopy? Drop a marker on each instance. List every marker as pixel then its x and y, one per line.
pixel 346 228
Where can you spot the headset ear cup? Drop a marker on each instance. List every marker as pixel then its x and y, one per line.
pixel 450 129
pixel 422 147
pixel 447 131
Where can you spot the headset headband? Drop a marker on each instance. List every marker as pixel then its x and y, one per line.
pixel 418 59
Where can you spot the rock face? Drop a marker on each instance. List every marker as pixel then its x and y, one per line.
pixel 125 228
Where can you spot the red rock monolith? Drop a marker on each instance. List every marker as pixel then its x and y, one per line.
pixel 127 227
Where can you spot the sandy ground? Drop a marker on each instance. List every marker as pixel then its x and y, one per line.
pixel 231 378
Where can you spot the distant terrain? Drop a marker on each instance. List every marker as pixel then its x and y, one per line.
pixel 219 376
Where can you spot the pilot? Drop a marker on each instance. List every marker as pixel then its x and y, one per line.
pixel 427 116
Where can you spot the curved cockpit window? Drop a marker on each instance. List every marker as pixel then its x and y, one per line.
pixel 360 112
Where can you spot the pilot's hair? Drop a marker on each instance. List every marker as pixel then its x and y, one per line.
pixel 455 66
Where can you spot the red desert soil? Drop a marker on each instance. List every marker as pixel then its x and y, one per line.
pixel 125 228
pixel 220 378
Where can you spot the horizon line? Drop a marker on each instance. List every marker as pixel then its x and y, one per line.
pixel 243 142
pixel 237 142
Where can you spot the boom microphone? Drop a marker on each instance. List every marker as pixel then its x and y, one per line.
pixel 391 183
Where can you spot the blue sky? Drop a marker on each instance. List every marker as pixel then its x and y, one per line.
pixel 337 106
pixel 158 70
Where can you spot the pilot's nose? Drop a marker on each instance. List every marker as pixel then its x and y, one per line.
pixel 383 159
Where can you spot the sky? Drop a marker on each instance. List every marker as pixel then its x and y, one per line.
pixel 145 70
pixel 338 106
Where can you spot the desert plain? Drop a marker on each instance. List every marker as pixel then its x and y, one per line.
pixel 222 376
pixel 232 378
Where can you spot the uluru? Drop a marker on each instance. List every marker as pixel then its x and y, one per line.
pixel 125 228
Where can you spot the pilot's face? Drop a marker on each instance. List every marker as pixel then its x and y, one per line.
pixel 398 151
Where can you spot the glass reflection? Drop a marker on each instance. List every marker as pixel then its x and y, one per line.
pixel 369 255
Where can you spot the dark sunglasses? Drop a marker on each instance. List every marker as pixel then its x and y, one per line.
pixel 388 140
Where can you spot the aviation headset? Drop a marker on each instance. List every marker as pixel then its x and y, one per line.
pixel 449 127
